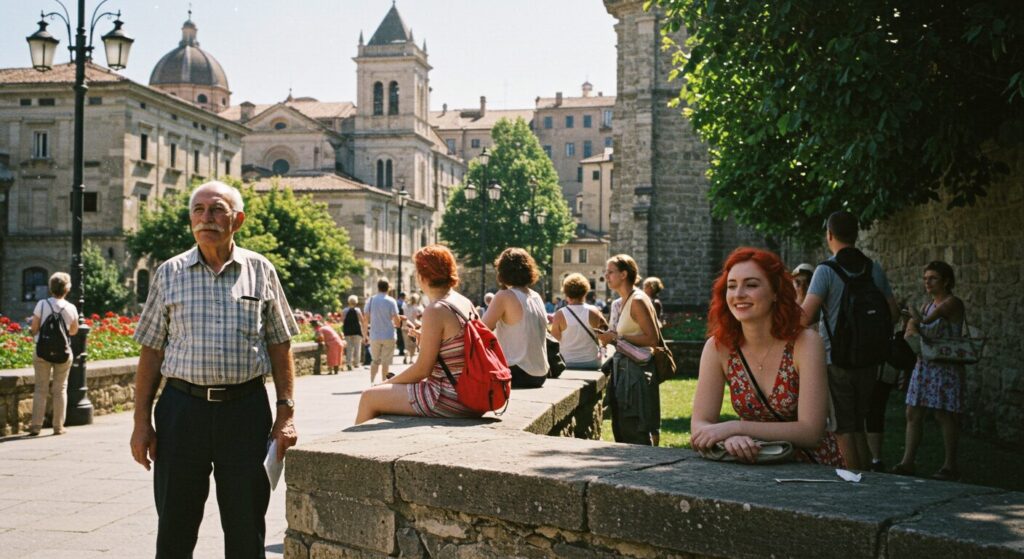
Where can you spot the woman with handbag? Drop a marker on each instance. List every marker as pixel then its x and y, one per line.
pixel 775 368
pixel 935 385
pixel 574 324
pixel 633 395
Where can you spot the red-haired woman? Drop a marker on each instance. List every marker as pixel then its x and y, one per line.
pixel 423 388
pixel 755 336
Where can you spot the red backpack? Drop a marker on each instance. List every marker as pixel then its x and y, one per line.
pixel 486 381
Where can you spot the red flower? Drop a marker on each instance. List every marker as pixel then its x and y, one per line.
pixel 88 321
pixel 124 320
pixel 110 314
pixel 14 327
pixel 94 316
pixel 4 320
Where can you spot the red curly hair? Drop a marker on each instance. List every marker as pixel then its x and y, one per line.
pixel 437 266
pixel 786 313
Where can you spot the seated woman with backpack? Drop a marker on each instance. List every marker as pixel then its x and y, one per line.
pixel 424 388
pixel 574 324
pixel 774 367
pixel 518 318
pixel 53 343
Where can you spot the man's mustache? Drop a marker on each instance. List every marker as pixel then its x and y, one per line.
pixel 207 227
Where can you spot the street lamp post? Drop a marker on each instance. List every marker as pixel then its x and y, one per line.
pixel 533 220
pixel 491 192
pixel 42 46
pixel 400 197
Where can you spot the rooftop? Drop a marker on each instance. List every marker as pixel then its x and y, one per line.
pixel 391 30
pixel 317 183
pixel 61 73
pixel 587 102
pixel 471 119
pixel 306 105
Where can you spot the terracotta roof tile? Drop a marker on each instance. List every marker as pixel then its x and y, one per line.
pixel 577 102
pixel 313 109
pixel 316 183
pixel 470 119
pixel 61 73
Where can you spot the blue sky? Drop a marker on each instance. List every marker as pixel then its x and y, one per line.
pixel 509 50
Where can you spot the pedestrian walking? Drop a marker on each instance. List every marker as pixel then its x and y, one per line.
pixel 381 319
pixel 354 330
pixel 216 321
pixel 52 377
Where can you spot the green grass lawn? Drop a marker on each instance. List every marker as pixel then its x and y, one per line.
pixel 982 462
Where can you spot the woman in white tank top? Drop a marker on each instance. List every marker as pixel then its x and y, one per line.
pixel 574 325
pixel 518 318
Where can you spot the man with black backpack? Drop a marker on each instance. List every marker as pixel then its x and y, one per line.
pixel 856 324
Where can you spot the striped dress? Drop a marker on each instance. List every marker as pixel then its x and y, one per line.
pixel 435 396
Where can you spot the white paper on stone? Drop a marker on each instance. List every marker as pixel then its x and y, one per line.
pixel 272 465
pixel 847 475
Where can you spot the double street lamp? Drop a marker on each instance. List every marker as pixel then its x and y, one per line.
pixel 532 218
pixel 42 47
pixel 400 198
pixel 493 193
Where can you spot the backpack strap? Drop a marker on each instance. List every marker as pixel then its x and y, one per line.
pixel 440 360
pixel 846 279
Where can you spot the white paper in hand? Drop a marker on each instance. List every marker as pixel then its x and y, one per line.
pixel 272 465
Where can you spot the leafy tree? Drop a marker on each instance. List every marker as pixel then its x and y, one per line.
pixel 516 159
pixel 810 107
pixel 312 255
pixel 104 285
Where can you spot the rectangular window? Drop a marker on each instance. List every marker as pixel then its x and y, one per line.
pixel 474 143
pixel 567 256
pixel 570 149
pixel 195 161
pixel 583 256
pixel 25 102
pixel 596 175
pixel 548 122
pixel 47 101
pixel 40 145
pixel 547 151
pixel 588 121
pixel 143 146
pixel 227 166
pixel 606 118
pixel 142 105
pixel 174 155
pixel 588 149
pixel 608 142
pixel 95 100
pixel 569 121
pixel 90 203
pixel 451 146
pixel 579 174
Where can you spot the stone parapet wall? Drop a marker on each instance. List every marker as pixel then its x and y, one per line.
pixel 985 246
pixel 419 487
pixel 111 386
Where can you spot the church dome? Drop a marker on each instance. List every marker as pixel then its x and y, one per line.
pixel 188 64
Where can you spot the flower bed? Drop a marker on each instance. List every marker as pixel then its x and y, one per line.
pixel 686 326
pixel 110 337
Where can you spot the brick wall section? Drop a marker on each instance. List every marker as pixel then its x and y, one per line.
pixel 985 246
pixel 111 387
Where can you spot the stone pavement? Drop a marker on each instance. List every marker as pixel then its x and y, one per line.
pixel 81 495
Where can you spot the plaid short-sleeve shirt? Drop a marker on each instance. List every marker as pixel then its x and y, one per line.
pixel 215 328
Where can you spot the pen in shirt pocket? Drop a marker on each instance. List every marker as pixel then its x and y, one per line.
pixel 249 298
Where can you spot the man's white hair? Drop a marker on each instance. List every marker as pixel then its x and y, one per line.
pixel 233 196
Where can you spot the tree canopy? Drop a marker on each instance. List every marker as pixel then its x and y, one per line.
pixel 516 160
pixel 311 253
pixel 104 285
pixel 811 107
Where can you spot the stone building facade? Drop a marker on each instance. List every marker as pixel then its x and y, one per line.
pixel 141 144
pixel 593 205
pixel 985 246
pixel 661 214
pixel 585 254
pixel 467 132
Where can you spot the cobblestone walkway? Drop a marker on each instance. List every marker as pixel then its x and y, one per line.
pixel 81 495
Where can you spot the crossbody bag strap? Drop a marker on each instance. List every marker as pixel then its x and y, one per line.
pixel 587 329
pixel 440 360
pixel 764 399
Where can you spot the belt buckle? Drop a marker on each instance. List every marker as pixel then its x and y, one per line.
pixel 209 393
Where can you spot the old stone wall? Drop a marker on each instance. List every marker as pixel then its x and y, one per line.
pixel 111 387
pixel 985 246
pixel 421 487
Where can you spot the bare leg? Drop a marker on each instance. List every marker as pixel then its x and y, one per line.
pixel 385 398
pixel 950 424
pixel 875 445
pixel 848 448
pixel 915 426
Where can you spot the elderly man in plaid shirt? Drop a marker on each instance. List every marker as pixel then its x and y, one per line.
pixel 216 321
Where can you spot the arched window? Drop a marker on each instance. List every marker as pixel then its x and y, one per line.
pixel 280 167
pixel 388 175
pixel 380 173
pixel 142 285
pixel 202 98
pixel 393 98
pixel 378 98
pixel 34 284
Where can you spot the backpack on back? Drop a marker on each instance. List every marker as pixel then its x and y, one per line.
pixel 486 381
pixel 864 324
pixel 54 343
pixel 350 324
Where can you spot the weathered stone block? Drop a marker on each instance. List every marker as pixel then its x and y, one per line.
pixel 986 526
pixel 295 548
pixel 363 525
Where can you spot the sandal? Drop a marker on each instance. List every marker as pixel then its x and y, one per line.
pixel 946 474
pixel 902 469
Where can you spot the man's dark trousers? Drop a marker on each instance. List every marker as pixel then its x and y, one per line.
pixel 195 436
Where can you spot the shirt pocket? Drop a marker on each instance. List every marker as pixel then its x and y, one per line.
pixel 248 311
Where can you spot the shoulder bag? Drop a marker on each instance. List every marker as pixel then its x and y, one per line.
pixel 959 350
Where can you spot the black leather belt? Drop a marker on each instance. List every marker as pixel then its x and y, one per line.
pixel 220 393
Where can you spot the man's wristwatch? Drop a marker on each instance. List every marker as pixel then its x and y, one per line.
pixel 286 402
